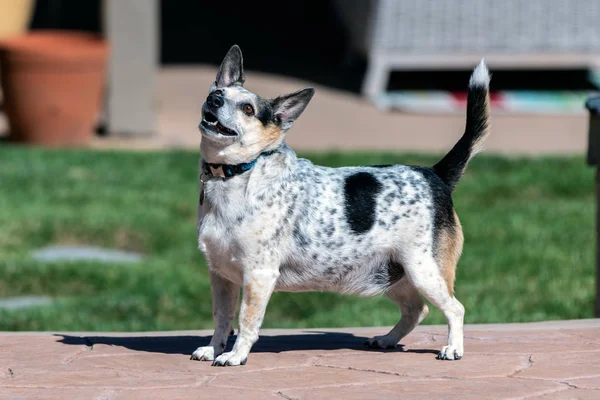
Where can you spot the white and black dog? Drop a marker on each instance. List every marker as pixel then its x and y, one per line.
pixel 269 221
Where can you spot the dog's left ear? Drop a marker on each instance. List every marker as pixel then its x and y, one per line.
pixel 231 71
pixel 287 108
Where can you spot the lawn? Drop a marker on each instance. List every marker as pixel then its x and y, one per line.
pixel 528 255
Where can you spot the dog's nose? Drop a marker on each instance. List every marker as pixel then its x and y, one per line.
pixel 215 101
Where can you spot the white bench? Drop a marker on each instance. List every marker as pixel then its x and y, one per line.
pixel 456 34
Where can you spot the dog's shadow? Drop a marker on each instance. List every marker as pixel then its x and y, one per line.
pixel 266 344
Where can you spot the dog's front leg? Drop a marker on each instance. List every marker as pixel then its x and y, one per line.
pixel 258 287
pixel 225 297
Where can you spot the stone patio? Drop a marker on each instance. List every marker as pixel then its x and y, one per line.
pixel 550 360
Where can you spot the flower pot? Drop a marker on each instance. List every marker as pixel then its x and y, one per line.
pixel 53 84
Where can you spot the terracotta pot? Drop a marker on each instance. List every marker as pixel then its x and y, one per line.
pixel 53 83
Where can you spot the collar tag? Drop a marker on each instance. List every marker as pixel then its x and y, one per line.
pixel 202 192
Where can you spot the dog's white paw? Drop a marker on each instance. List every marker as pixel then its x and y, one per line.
pixel 231 358
pixel 382 342
pixel 205 353
pixel 450 353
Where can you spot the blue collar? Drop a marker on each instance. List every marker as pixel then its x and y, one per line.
pixel 229 171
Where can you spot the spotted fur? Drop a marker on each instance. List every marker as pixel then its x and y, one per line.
pixel 290 225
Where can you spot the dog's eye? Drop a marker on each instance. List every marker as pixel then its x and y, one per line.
pixel 248 109
pixel 218 92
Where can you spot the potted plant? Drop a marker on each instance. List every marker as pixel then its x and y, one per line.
pixel 52 83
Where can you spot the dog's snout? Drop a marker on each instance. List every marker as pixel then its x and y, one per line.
pixel 214 100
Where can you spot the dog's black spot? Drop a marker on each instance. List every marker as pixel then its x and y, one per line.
pixel 395 271
pixel 277 233
pixel 360 192
pixel 301 239
pixel 389 273
pixel 441 198
pixel 329 230
pixel 331 271
pixel 390 197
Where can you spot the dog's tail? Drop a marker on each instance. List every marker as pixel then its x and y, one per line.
pixel 453 165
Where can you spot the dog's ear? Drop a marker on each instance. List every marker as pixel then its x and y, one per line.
pixel 231 71
pixel 287 108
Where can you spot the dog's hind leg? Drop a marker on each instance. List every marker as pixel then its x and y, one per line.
pixel 429 279
pixel 413 308
pixel 225 298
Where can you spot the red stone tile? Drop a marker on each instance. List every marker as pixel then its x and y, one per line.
pixel 459 389
pixel 275 380
pixel 422 365
pixel 558 366
pixel 316 364
pixel 199 393
pixel 586 383
pixel 570 394
pixel 49 394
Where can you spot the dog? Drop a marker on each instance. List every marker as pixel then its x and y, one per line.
pixel 270 221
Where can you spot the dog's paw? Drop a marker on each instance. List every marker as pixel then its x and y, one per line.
pixel 230 359
pixel 382 342
pixel 450 353
pixel 205 353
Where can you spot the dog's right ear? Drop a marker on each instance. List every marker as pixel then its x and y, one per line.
pixel 287 108
pixel 231 71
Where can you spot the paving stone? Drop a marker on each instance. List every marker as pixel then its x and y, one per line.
pixel 277 380
pixel 431 389
pixel 85 253
pixel 565 366
pixel 570 394
pixel 522 342
pixel 42 351
pixel 422 365
pixel 198 393
pixel 548 360
pixel 17 303
pixel 49 393
pixel 586 383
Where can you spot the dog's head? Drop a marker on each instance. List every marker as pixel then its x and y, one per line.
pixel 237 125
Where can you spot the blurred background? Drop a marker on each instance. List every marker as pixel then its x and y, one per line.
pixel 98 153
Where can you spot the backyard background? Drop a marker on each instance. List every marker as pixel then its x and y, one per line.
pixel 526 204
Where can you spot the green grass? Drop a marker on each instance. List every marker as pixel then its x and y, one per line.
pixel 528 255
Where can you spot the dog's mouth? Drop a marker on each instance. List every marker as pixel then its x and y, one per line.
pixel 211 122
